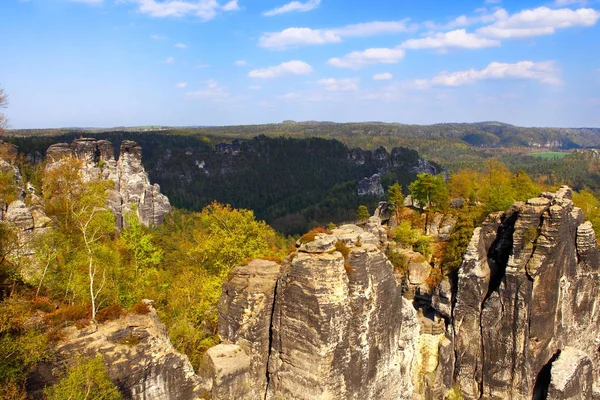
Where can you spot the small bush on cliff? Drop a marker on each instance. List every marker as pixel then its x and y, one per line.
pixel 345 250
pixel 453 394
pixel 407 236
pixel 87 379
pixel 312 234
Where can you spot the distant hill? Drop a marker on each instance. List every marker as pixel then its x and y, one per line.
pixel 480 134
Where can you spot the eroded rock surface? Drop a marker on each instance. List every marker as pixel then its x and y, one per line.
pixel 132 186
pixel 334 326
pixel 140 359
pixel 527 289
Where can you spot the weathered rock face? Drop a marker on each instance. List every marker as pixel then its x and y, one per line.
pixel 132 186
pixel 527 290
pixel 333 327
pixel 150 369
pixel 371 186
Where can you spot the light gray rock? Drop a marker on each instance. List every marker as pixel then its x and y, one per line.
pixel 371 186
pixel 571 376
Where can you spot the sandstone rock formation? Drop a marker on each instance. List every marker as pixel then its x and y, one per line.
pixel 334 325
pixel 140 359
pixel 525 320
pixel 132 186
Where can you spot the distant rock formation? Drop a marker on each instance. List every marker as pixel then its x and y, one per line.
pixel 324 325
pixel 132 186
pixel 140 359
pixel 371 186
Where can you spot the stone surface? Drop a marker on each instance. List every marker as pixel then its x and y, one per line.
pixel 149 370
pixel 571 376
pixel 527 289
pixel 132 186
pixel 371 186
pixel 245 312
pixel 229 367
pixel 333 328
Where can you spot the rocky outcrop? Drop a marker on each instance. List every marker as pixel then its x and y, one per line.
pixel 527 290
pixel 332 321
pixel 132 186
pixel 140 359
pixel 371 186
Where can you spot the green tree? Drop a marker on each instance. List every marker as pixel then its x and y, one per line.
pixel 457 243
pixel 396 197
pixel 497 192
pixel 523 186
pixel 430 190
pixel 590 205
pixel 140 243
pixel 81 208
pixel 362 213
pixel 87 379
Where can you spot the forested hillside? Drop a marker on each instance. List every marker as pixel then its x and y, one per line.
pixel 293 184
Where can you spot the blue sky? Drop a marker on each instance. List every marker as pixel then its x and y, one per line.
pixel 104 63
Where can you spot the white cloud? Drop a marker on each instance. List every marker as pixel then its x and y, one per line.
pixel 545 72
pixel 484 16
pixel 158 37
pixel 296 37
pixel 241 63
pixel 293 6
pixel 203 9
pixel 181 46
pixel 339 85
pixel 86 1
pixel 181 85
pixel 212 90
pixel 383 76
pixel 169 60
pixel 231 6
pixel 359 59
pixel 454 39
pixel 293 37
pixel 539 21
pixel 287 68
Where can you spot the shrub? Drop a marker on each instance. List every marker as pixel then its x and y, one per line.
pixel 109 313
pixel 87 379
pixel 345 250
pixel 42 304
pixel 140 308
pixel 399 261
pixel 68 315
pixel 312 234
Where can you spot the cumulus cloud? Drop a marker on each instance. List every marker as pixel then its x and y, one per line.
pixel 454 39
pixel 169 60
pixel 359 59
pixel 241 63
pixel 293 6
pixel 158 37
pixel 181 45
pixel 339 85
pixel 296 37
pixel 181 85
pixel 287 68
pixel 232 6
pixel 484 16
pixel 383 76
pixel 212 90
pixel 203 9
pixel 545 72
pixel 539 21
